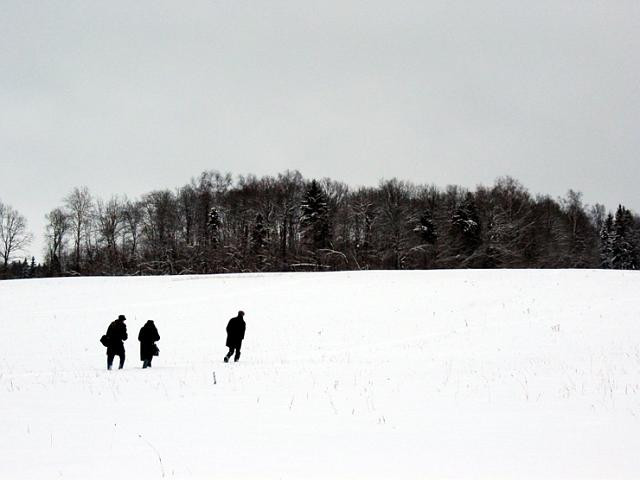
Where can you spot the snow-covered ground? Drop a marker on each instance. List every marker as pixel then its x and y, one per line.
pixel 411 375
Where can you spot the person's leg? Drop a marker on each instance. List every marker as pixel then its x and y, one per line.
pixel 145 363
pixel 110 360
pixel 149 361
pixel 237 357
pixel 121 360
pixel 228 355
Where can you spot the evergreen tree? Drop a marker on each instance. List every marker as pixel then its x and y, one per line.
pixel 421 250
pixel 213 226
pixel 258 236
pixel 426 229
pixel 24 268
pixel 466 225
pixel 624 251
pixel 607 236
pixel 315 217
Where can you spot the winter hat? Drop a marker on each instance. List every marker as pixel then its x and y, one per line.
pixel 121 317
pixel 241 313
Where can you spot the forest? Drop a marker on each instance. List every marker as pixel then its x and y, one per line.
pixel 218 224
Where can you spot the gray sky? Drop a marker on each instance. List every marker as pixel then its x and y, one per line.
pixel 125 97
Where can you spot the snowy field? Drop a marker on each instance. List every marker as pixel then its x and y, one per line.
pixel 410 375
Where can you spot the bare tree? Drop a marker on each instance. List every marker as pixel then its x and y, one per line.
pixel 392 221
pixel 57 228
pixel 13 233
pixel 133 215
pixel 109 216
pixel 80 205
pixel 581 233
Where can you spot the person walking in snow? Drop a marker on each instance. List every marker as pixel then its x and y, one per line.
pixel 148 337
pixel 116 334
pixel 235 334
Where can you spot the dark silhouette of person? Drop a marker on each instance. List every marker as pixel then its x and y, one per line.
pixel 116 334
pixel 235 334
pixel 148 337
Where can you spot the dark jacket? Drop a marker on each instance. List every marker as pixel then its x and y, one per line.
pixel 235 331
pixel 116 334
pixel 148 336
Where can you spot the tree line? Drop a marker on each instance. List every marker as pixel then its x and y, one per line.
pixel 214 224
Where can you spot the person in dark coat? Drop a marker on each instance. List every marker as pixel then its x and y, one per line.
pixel 148 337
pixel 235 334
pixel 116 334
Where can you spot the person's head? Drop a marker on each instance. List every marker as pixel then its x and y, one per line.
pixel 150 322
pixel 241 314
pixel 121 318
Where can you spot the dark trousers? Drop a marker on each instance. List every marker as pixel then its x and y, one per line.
pixel 146 362
pixel 233 348
pixel 110 357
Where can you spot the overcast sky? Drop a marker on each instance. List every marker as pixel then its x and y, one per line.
pixel 129 96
